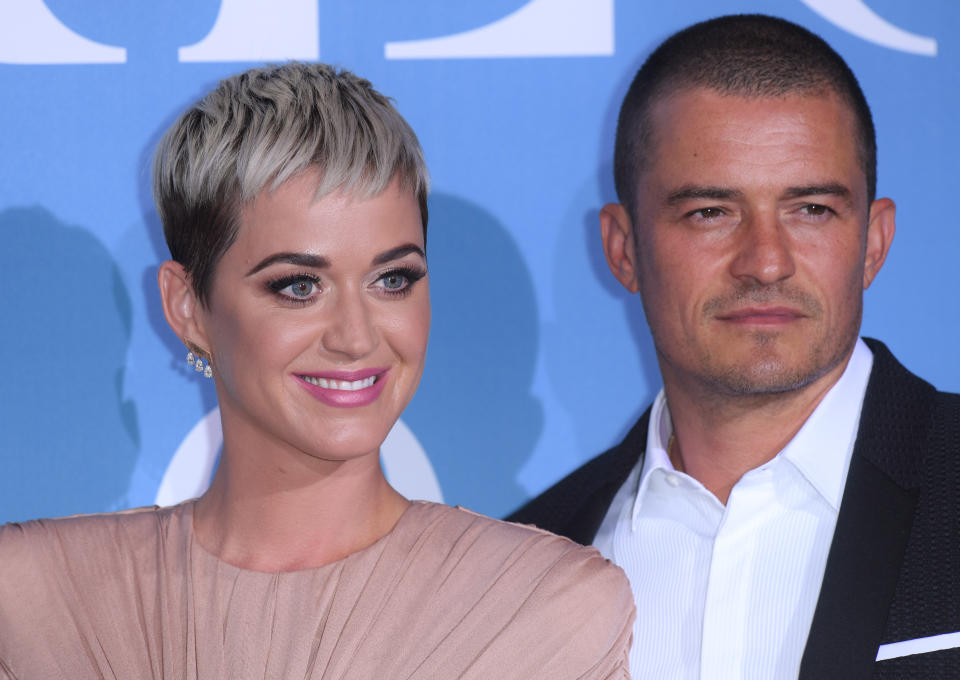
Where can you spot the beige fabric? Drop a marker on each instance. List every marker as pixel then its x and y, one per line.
pixel 446 594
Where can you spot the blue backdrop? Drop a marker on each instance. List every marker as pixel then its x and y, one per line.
pixel 538 359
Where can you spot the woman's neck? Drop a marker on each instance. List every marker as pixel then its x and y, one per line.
pixel 266 514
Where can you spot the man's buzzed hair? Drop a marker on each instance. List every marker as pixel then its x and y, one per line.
pixel 745 55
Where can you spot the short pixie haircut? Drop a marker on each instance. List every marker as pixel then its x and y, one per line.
pixel 262 127
pixel 745 55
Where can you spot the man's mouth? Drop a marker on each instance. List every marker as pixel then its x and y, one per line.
pixel 762 315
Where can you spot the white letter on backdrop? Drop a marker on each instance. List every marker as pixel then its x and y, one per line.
pixel 541 28
pixel 31 34
pixel 855 17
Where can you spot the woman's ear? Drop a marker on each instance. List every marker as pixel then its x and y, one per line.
pixel 181 307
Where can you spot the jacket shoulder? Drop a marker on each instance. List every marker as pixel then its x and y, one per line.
pixel 911 432
pixel 575 506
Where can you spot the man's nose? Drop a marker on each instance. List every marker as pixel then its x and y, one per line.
pixel 350 330
pixel 763 251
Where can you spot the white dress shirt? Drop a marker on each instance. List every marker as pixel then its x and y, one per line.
pixel 729 591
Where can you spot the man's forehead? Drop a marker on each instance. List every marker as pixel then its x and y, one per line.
pixel 692 97
pixel 704 114
pixel 707 138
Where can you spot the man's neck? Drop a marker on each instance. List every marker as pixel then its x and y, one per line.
pixel 720 437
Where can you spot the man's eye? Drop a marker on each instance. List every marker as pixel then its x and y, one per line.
pixel 815 209
pixel 708 213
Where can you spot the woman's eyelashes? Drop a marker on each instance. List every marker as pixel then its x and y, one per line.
pixel 302 288
pixel 297 288
pixel 399 281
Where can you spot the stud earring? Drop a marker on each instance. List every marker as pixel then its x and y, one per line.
pixel 191 359
pixel 208 371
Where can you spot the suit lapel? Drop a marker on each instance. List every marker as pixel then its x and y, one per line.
pixel 873 525
pixel 861 575
pixel 616 466
pixel 576 505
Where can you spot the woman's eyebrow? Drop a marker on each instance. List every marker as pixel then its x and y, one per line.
pixel 300 259
pixel 398 252
pixel 320 262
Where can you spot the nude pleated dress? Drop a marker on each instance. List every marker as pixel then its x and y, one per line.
pixel 446 594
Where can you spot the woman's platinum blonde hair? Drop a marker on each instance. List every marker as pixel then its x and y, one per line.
pixel 258 129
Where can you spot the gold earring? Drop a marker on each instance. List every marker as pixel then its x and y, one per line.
pixel 195 357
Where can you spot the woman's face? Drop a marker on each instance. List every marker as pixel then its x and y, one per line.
pixel 318 320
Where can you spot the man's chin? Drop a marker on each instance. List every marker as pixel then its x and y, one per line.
pixel 760 381
pixel 768 372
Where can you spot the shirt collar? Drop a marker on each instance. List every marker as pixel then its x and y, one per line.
pixel 830 430
pixel 821 450
pixel 658 437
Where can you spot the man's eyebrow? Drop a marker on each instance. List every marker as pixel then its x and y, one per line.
pixel 689 192
pixel 398 252
pixel 692 192
pixel 829 189
pixel 299 259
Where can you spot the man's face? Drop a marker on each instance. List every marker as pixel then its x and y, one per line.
pixel 754 240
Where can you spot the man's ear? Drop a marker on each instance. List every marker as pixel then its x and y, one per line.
pixel 881 226
pixel 181 307
pixel 616 230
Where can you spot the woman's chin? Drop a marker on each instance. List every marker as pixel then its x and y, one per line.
pixel 345 448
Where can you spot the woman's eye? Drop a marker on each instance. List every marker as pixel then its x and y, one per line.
pixel 399 281
pixel 296 287
pixel 301 289
pixel 394 281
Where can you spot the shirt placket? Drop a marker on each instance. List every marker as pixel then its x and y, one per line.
pixel 726 613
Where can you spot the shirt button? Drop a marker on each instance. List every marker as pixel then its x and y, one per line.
pixel 673 480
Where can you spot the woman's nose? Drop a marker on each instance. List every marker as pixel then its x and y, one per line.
pixel 350 330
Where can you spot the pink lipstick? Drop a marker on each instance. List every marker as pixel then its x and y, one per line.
pixel 345 389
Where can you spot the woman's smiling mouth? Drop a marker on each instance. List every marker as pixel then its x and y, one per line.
pixel 345 389
pixel 345 385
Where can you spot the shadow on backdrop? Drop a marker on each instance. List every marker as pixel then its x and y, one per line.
pixel 598 352
pixel 631 304
pixel 585 233
pixel 66 429
pixel 474 413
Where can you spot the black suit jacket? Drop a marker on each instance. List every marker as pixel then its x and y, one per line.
pixel 893 571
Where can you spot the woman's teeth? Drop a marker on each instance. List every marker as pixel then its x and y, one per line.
pixel 345 385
